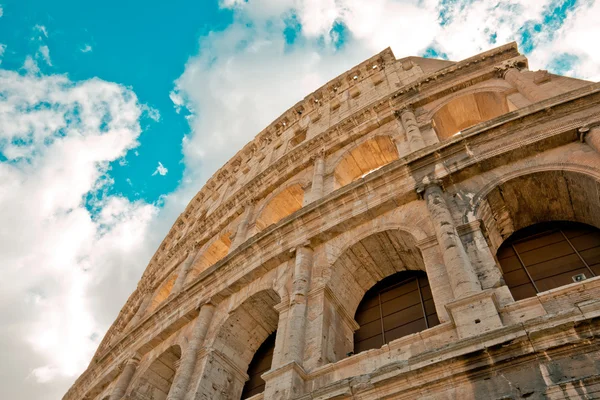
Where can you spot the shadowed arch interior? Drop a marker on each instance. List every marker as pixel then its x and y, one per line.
pixel 539 197
pixel 283 204
pixel 363 159
pixel 370 260
pixel 238 339
pixel 468 110
pixel 156 381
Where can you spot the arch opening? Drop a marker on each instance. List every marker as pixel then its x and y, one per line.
pixel 468 110
pixel 261 363
pixel 217 250
pixel 388 256
pixel 364 159
pixel 283 204
pixel 397 306
pixel 156 381
pixel 162 293
pixel 548 255
pixel 237 342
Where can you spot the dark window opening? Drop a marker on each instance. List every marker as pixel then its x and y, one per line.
pixel 261 363
pixel 397 306
pixel 549 255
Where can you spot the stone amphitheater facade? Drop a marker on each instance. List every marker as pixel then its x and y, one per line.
pixel 416 228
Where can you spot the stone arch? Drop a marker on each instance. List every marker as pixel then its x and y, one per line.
pixel 161 293
pixel 279 205
pixel 234 340
pixel 566 192
pixel 211 254
pixel 468 109
pixel 368 260
pixel 155 382
pixel 363 158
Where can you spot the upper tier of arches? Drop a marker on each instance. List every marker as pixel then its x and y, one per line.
pixel 345 162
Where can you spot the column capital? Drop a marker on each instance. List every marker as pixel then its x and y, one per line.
pixel 206 302
pixel 249 203
pixel 402 110
pixel 502 70
pixel 426 183
pixel 132 359
pixel 306 244
pixel 318 155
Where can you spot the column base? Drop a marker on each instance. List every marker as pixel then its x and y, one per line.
pixel 475 314
pixel 285 382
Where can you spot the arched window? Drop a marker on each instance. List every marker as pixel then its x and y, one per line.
pixel 547 255
pixel 396 306
pixel 285 203
pixel 261 363
pixel 468 110
pixel 155 383
pixel 365 158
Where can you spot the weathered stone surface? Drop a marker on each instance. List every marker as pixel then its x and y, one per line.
pixel 396 165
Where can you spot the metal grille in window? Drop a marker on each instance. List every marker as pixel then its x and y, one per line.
pixel 548 255
pixel 397 306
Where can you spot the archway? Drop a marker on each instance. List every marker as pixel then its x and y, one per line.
pixel 468 110
pixel 365 158
pixel 389 253
pixel 211 255
pixel 283 204
pixel 519 211
pixel 548 255
pixel 261 363
pixel 162 293
pixel 156 381
pixel 236 342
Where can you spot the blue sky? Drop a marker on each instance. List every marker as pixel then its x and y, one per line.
pixel 142 45
pixel 113 115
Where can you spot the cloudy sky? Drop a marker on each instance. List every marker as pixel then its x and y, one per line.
pixel 113 114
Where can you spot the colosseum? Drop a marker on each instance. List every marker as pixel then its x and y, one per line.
pixel 414 229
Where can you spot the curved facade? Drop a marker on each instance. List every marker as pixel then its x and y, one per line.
pixel 416 228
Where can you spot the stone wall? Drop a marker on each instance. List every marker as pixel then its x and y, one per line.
pixel 364 178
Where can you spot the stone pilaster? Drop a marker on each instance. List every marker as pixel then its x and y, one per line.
pixel 298 301
pixel 186 368
pixel 286 378
pixel 182 273
pixel 512 74
pixel 242 230
pixel 316 190
pixel 125 378
pixel 413 133
pixel 461 273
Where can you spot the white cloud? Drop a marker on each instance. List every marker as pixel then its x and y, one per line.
pixel 58 259
pixel 1 11
pixel 151 112
pixel 42 29
pixel 45 53
pixel 161 170
pixel 86 49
